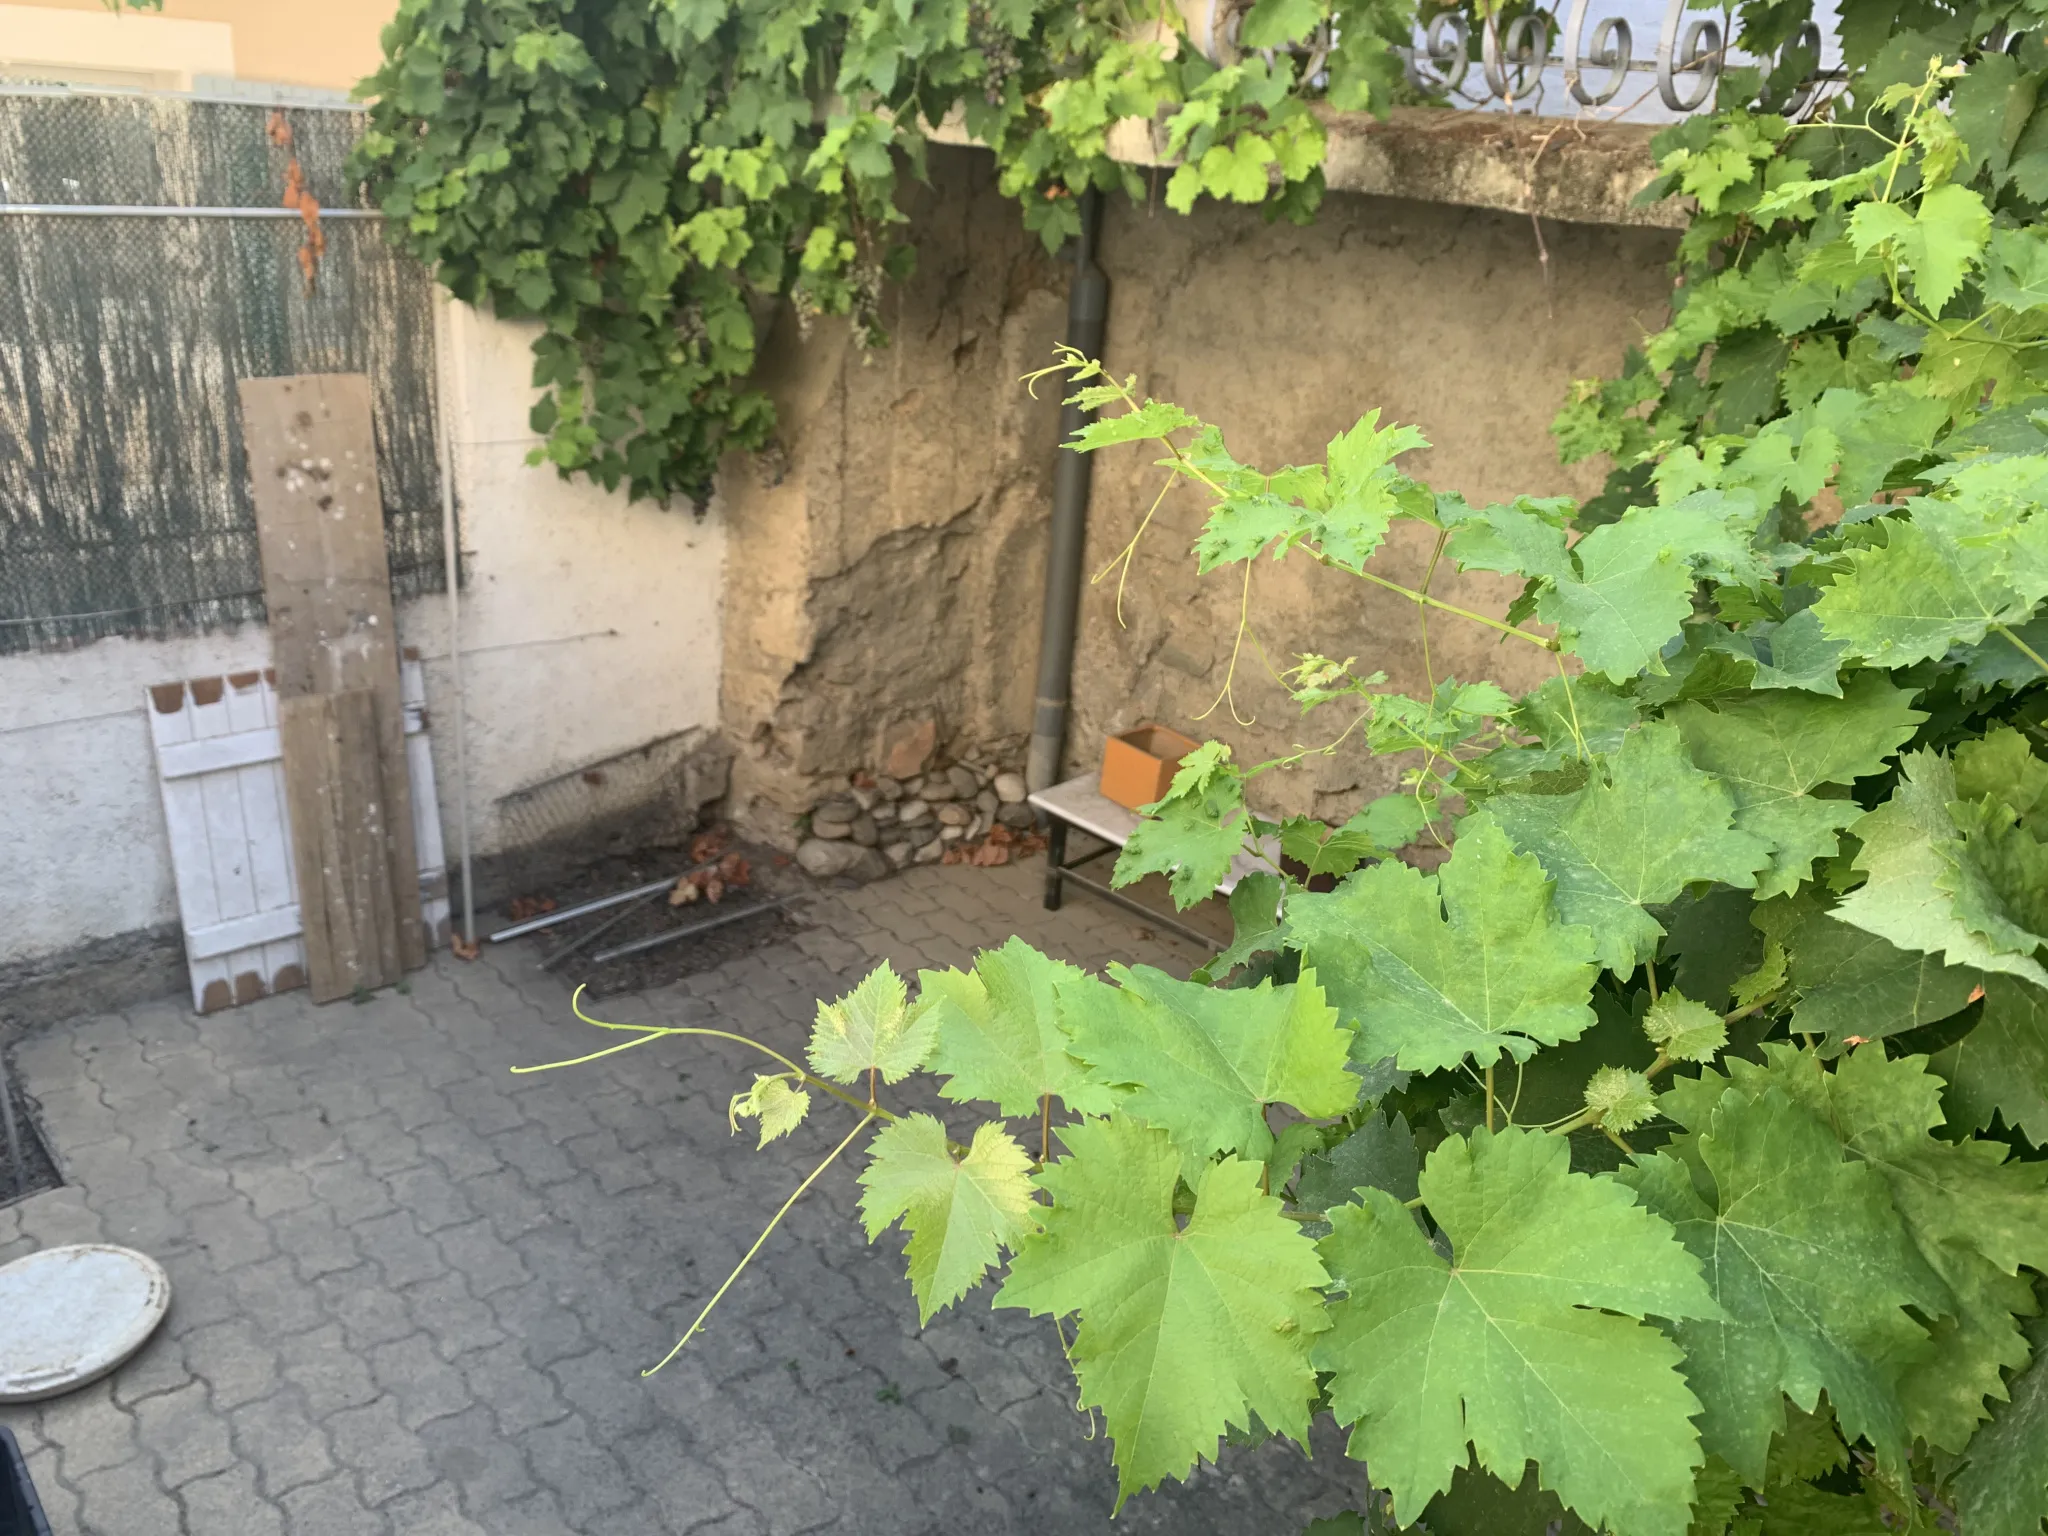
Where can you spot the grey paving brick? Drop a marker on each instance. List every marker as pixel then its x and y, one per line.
pixel 587 1480
pixel 436 1511
pixel 328 1375
pixel 231 1502
pixel 332 1508
pixel 60 1503
pixel 424 1386
pixel 349 1192
pixel 230 1235
pixel 234 1361
pixel 272 1190
pixel 387 1458
pixel 316 1243
pixel 431 1197
pixel 487 1468
pixel 521 1397
pixel 273 1297
pixel 126 1501
pixel 284 1446
pixel 398 1247
pixel 184 1434
pixel 159 1366
pixel 482 1257
pixel 89 1430
pixel 456 1321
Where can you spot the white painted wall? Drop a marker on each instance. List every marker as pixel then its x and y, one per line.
pixel 589 628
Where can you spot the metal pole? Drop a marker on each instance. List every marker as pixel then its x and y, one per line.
pixel 1087 321
pixel 451 552
pixel 550 919
pixel 673 934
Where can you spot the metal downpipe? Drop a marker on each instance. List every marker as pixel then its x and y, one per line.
pixel 1087 320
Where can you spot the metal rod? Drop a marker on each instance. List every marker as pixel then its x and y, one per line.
pixel 584 941
pixel 451 549
pixel 161 211
pixel 1095 887
pixel 705 926
pixel 549 919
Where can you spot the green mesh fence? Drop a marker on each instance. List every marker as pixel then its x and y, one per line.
pixel 124 496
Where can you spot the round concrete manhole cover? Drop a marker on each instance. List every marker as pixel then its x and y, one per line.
pixel 70 1315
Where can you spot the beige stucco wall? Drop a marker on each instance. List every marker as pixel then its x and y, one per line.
pixel 329 44
pixel 896 569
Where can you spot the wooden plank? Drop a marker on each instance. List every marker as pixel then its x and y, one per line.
pixel 327 586
pixel 252 932
pixel 341 825
pixel 217 752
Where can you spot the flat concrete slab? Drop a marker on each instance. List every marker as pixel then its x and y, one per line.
pixel 69 1315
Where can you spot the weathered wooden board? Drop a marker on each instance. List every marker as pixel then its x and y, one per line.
pixel 341 826
pixel 231 851
pixel 327 586
pixel 217 740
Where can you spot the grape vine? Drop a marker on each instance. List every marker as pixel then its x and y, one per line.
pixel 648 178
pixel 1685 1131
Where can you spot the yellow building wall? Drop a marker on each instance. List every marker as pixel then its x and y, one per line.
pixel 329 44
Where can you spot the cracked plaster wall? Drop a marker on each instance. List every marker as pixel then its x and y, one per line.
pixel 887 565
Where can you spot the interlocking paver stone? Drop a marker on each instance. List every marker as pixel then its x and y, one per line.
pixel 414 1293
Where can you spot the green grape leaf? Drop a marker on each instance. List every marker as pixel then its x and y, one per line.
pixel 1773 750
pixel 1634 840
pixel 998 1036
pixel 1851 984
pixel 1685 1030
pixel 1910 853
pixel 1939 244
pixel 1808 1261
pixel 2002 1489
pixel 1380 1154
pixel 1184 844
pixel 2016 272
pixel 1879 429
pixel 1186 1331
pixel 1201 1062
pixel 1364 486
pixel 2002 766
pixel 1941 578
pixel 874 1028
pixel 1633 591
pixel 1974 1216
pixel 1998 875
pixel 1275 23
pixel 778 1104
pixel 1620 1099
pixel 1390 822
pixel 1155 418
pixel 1803 657
pixel 1255 921
pixel 960 1212
pixel 1522 1344
pixel 2000 1068
pixel 1468 963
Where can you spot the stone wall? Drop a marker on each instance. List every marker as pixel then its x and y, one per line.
pixel 885 567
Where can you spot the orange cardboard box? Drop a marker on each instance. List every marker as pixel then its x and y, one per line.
pixel 1139 765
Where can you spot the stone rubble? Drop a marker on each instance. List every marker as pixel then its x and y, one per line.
pixel 928 812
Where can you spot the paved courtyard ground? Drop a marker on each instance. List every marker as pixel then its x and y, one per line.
pixel 414 1293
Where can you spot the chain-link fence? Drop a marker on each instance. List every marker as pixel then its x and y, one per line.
pixel 124 498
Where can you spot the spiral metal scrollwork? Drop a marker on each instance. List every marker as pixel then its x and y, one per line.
pixel 1613 49
pixel 1698 52
pixel 1513 62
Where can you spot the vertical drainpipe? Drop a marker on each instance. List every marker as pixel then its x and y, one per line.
pixel 1087 319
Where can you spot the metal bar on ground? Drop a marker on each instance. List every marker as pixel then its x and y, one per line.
pixel 1194 936
pixel 631 909
pixel 549 919
pixel 705 926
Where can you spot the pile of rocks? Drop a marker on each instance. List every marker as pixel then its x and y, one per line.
pixel 910 821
